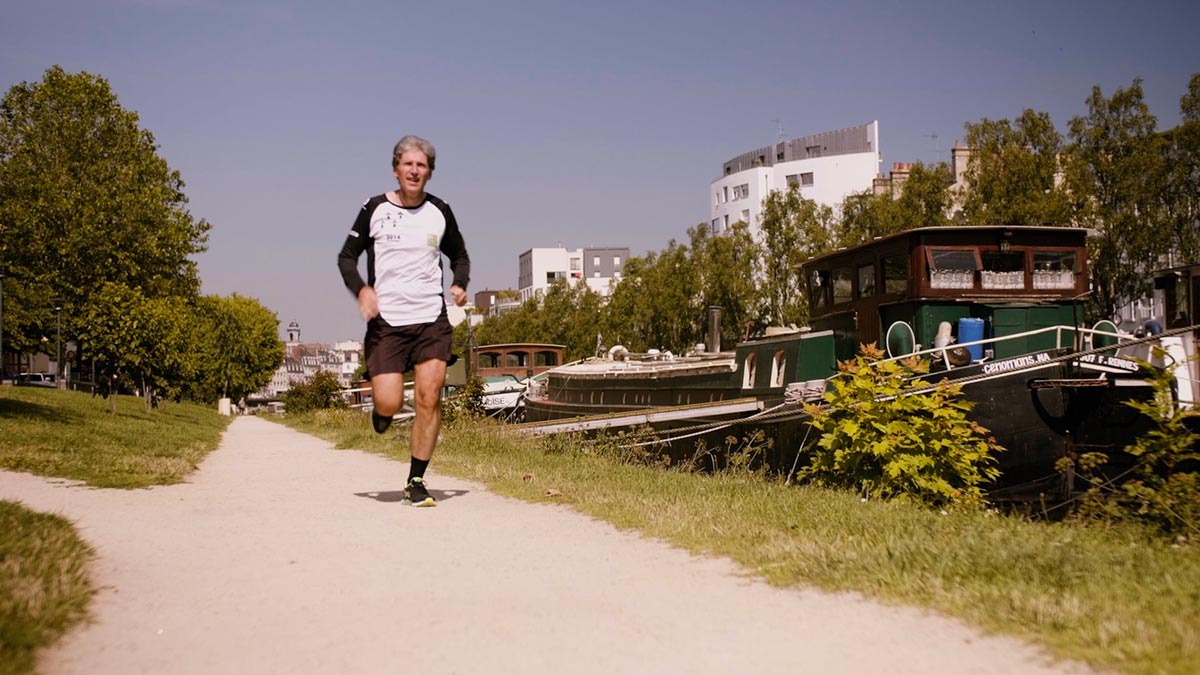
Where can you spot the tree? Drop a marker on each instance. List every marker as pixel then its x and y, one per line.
pixel 1116 173
pixel 794 229
pixel 134 341
pixel 238 345
pixel 865 216
pixel 1012 172
pixel 726 265
pixel 1183 179
pixel 925 199
pixel 84 200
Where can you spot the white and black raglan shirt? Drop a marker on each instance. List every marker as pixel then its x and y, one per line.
pixel 404 249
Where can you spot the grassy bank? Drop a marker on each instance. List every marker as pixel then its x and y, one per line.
pixel 44 586
pixel 70 434
pixel 1114 597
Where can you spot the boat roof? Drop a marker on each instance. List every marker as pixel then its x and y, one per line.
pixel 526 345
pixel 982 231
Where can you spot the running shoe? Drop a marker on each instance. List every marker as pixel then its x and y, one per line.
pixel 416 494
pixel 380 422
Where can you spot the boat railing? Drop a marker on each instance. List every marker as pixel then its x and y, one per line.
pixel 1073 337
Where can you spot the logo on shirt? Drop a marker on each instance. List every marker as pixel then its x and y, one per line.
pixel 431 239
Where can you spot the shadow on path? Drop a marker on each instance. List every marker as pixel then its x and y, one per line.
pixel 398 495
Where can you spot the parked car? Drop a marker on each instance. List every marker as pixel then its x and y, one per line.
pixel 35 380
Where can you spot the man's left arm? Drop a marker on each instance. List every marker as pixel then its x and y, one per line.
pixel 455 249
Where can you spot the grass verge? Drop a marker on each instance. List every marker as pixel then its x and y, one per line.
pixel 44 586
pixel 70 434
pixel 1113 597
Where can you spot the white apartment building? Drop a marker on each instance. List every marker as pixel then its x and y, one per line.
pixel 538 268
pixel 826 167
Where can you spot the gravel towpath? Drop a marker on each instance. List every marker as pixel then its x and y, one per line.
pixel 284 555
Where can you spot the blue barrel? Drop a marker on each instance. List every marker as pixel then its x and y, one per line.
pixel 970 329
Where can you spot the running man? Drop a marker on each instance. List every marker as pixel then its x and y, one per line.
pixel 404 233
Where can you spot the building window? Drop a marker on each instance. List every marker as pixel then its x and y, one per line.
pixel 595 261
pixel 779 157
pixel 725 194
pixel 806 179
pixel 793 180
pixel 616 262
pixel 813 150
pixel 575 264
pixel 726 221
pixel 595 275
pixel 716 225
pixel 746 216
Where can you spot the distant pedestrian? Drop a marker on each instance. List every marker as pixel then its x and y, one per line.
pixel 405 232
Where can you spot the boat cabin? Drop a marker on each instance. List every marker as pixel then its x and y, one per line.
pixel 518 359
pixel 983 282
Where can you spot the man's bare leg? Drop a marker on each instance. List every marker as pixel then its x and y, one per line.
pixel 387 393
pixel 430 375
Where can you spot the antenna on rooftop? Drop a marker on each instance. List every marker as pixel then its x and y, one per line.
pixel 936 153
pixel 778 130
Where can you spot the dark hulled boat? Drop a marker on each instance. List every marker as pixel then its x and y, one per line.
pixel 995 309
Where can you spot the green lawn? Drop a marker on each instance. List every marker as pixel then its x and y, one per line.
pixel 44 586
pixel 1117 598
pixel 71 434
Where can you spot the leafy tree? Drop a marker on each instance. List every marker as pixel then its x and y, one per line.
pixel 659 302
pixel 1116 172
pixel 1183 180
pixel 239 347
pixel 794 229
pixel 134 341
pixel 925 199
pixel 865 216
pixel 1012 172
pixel 726 266
pixel 84 200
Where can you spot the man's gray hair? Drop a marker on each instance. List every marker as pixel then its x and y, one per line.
pixel 411 142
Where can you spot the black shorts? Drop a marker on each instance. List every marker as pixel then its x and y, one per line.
pixel 396 349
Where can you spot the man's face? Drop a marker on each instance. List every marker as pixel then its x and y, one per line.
pixel 413 171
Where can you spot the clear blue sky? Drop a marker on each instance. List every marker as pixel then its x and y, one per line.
pixel 569 124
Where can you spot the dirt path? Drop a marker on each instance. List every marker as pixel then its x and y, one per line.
pixel 284 555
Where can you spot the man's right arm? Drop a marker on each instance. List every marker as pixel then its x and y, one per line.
pixel 356 242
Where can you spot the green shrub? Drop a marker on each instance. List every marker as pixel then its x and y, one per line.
pixel 1162 489
pixel 321 392
pixel 464 404
pixel 880 440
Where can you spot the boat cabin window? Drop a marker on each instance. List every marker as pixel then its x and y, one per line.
pixel 866 281
pixel 952 267
pixel 489 360
pixel 545 359
pixel 516 359
pixel 749 371
pixel 842 289
pixel 818 290
pixel 1002 269
pixel 778 369
pixel 1054 269
pixel 895 274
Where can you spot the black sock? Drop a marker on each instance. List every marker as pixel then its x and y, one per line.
pixel 416 469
